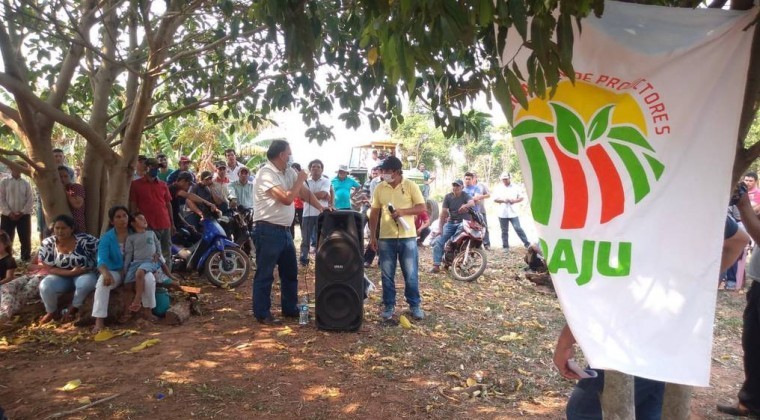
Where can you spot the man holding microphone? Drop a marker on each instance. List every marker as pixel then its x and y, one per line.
pixel 395 203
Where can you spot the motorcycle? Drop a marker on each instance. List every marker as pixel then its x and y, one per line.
pixel 464 253
pixel 241 227
pixel 210 253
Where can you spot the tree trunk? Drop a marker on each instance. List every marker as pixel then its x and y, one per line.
pixel 746 156
pixel 92 178
pixel 617 397
pixel 677 402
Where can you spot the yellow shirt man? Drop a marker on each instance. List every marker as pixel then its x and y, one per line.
pixel 404 196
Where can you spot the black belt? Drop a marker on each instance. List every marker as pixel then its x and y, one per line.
pixel 263 223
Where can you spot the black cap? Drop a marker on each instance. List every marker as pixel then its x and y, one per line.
pixel 457 182
pixel 391 163
pixel 185 176
pixel 206 175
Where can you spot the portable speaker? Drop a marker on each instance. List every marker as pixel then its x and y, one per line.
pixel 339 271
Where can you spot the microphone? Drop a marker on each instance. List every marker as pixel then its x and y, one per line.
pixel 400 220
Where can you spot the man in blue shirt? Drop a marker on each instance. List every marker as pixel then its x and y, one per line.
pixel 479 192
pixel 344 186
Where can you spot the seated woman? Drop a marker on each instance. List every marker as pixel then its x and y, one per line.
pixel 71 261
pixel 110 262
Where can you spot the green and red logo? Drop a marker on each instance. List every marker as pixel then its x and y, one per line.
pixel 586 139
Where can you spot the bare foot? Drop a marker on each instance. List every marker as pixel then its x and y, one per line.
pixel 147 314
pixel 70 315
pixel 46 318
pixel 99 324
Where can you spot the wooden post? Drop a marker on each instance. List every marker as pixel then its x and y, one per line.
pixel 677 402
pixel 617 397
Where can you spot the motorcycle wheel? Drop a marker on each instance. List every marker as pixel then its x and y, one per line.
pixel 228 269
pixel 475 266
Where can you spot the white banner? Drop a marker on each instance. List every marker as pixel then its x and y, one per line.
pixel 628 173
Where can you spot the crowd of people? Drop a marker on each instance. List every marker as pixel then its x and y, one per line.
pixel 135 251
pixel 282 194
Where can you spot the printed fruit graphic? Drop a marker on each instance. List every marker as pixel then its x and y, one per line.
pixel 589 135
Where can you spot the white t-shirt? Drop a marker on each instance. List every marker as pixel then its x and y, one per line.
pixel 266 207
pixel 322 184
pixel 501 191
pixel 232 173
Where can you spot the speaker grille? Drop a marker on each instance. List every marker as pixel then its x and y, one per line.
pixel 339 272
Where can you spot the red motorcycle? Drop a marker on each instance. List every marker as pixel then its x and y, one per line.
pixel 464 253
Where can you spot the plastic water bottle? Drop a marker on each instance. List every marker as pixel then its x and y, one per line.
pixel 303 311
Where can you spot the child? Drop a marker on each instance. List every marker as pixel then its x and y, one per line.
pixel 142 255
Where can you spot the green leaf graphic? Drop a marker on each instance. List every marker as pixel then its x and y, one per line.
pixel 635 170
pixel 599 123
pixel 656 165
pixel 541 198
pixel 629 135
pixel 531 127
pixel 570 129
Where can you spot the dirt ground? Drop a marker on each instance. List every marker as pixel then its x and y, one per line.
pixel 483 351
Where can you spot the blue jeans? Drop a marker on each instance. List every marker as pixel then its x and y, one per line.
pixel 449 229
pixel 504 222
pixel 274 247
pixel 308 236
pixel 404 251
pixel 52 286
pixel 585 403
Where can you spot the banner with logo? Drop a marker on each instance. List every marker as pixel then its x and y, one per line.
pixel 628 172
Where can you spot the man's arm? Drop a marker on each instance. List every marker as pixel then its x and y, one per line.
pixel 565 351
pixel 374 217
pixel 442 218
pixel 749 218
pixel 308 197
pixel 171 216
pixel 286 196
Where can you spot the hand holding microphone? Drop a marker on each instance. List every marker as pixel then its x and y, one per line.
pixel 399 219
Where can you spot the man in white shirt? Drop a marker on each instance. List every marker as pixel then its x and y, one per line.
pixel 233 166
pixel 506 195
pixel 275 188
pixel 16 204
pixel 321 187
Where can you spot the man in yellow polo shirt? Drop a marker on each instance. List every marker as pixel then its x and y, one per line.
pixel 395 203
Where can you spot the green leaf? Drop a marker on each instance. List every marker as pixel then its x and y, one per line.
pixel 515 88
pixel 569 128
pixel 599 123
pixel 630 135
pixel 486 12
pixel 519 17
pixel 501 93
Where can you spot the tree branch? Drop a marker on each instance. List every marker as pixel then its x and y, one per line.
pixel 222 40
pixel 9 116
pixel 75 123
pixel 26 159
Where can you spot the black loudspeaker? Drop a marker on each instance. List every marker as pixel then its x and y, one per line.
pixel 339 270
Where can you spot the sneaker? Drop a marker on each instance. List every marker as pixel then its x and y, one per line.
pixel 417 312
pixel 435 270
pixel 388 312
pixel 313 250
pixel 367 265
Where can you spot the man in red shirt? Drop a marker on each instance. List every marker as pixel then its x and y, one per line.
pixel 422 224
pixel 151 197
